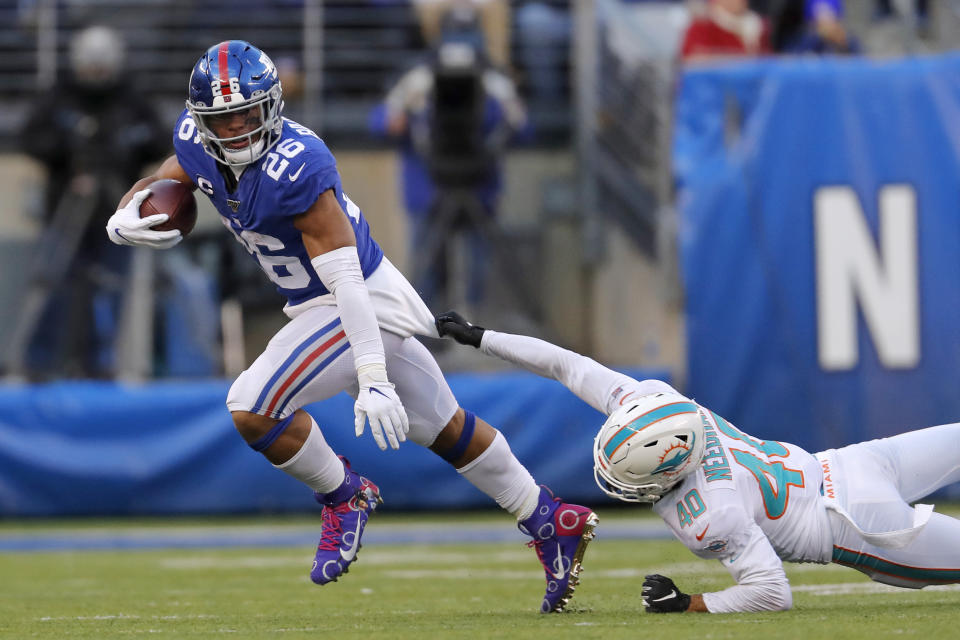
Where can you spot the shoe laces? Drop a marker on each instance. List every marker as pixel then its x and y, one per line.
pixel 537 545
pixel 332 526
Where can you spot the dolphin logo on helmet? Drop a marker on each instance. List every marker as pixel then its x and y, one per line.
pixel 648 446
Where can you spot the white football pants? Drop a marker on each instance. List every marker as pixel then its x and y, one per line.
pixel 877 480
pixel 310 360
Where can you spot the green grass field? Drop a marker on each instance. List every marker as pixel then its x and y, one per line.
pixel 484 590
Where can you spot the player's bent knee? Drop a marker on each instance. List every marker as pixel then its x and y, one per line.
pixel 448 435
pixel 463 439
pixel 252 426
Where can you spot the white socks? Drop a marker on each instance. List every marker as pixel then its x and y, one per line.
pixel 499 474
pixel 496 472
pixel 315 465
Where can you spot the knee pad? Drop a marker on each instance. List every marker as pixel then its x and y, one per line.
pixel 466 435
pixel 271 436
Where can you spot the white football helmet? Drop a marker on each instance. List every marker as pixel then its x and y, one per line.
pixel 647 446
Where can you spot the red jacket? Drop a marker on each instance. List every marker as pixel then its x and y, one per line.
pixel 705 37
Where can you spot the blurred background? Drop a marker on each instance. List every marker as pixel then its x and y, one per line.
pixel 755 201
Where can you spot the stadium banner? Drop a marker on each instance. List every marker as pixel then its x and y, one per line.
pixel 820 245
pixel 97 448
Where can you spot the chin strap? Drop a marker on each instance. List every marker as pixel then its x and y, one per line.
pixel 252 153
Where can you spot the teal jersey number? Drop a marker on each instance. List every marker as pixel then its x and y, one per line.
pixel 767 474
pixel 769 447
pixel 689 508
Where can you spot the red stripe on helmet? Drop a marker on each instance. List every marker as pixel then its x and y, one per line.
pixel 223 65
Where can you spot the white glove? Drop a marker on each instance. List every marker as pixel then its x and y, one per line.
pixel 127 227
pixel 378 402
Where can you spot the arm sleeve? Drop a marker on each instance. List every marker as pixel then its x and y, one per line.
pixel 598 386
pixel 761 585
pixel 339 270
pixel 411 91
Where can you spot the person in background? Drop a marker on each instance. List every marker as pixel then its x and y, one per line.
pixel 414 116
pixel 726 29
pixel 94 134
pixel 493 16
pixel 824 31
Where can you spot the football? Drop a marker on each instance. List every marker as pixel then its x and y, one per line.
pixel 175 199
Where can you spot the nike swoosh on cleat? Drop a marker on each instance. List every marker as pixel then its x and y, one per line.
pixel 672 594
pixel 293 176
pixel 561 575
pixel 351 552
pixel 702 533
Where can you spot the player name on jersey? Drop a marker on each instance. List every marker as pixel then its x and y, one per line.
pixel 715 464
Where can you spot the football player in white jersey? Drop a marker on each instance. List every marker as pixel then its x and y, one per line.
pixel 277 189
pixel 749 503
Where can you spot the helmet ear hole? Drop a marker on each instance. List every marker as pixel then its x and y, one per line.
pixel 682 437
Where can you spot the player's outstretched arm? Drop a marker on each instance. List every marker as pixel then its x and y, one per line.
pixel 126 227
pixel 592 382
pixel 332 246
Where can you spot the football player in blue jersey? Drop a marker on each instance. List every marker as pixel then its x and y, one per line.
pixel 353 318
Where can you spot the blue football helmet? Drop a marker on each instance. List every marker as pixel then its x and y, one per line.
pixel 235 89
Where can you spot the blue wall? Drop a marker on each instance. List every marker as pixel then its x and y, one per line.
pixel 750 253
pixel 77 448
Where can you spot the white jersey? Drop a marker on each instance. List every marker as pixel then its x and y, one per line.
pixel 752 503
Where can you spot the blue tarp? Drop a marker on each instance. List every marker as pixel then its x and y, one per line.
pixel 754 145
pixel 82 448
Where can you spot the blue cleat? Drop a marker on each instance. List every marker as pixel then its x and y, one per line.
pixel 345 513
pixel 560 534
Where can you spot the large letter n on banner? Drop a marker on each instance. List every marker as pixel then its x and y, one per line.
pixel 850 270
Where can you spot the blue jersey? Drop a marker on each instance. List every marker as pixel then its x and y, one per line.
pixel 269 193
